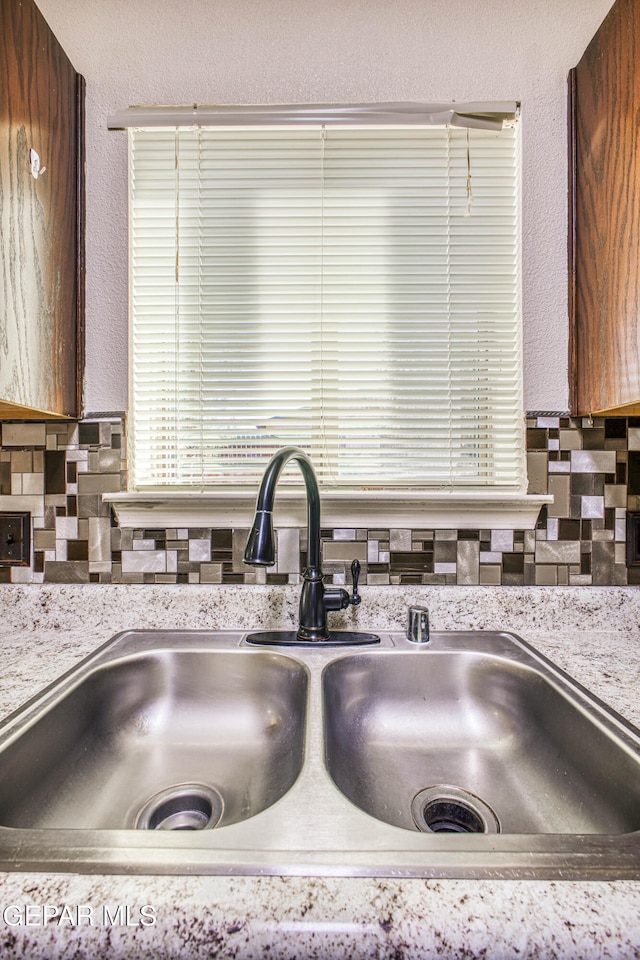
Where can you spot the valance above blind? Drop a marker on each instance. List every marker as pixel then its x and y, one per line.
pixel 480 114
pixel 353 290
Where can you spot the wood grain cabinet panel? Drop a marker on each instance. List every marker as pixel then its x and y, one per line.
pixel 42 278
pixel 605 218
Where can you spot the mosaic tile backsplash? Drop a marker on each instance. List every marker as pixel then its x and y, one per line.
pixel 59 471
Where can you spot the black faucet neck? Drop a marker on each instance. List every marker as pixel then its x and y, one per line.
pixel 260 549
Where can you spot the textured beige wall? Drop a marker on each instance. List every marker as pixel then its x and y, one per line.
pixel 258 51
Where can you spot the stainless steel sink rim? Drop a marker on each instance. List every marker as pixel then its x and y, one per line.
pixel 313 830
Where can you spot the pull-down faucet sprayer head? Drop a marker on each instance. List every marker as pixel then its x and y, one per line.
pixel 260 550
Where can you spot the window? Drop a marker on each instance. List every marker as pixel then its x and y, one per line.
pixel 350 289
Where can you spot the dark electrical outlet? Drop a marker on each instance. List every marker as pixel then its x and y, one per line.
pixel 633 539
pixel 15 545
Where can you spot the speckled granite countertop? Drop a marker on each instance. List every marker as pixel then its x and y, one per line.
pixel 593 633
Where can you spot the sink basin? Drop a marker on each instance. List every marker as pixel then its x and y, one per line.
pixel 470 741
pixel 171 738
pixel 191 752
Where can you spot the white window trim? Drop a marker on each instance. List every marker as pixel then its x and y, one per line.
pixel 442 510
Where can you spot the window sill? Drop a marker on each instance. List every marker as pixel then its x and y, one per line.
pixel 410 509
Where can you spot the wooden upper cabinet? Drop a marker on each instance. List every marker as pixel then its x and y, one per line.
pixel 604 236
pixel 41 235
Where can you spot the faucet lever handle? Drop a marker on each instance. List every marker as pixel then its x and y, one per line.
pixel 355 574
pixel 337 598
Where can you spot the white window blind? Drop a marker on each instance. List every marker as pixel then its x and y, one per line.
pixel 350 290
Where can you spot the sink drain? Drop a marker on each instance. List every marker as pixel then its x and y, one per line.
pixel 188 806
pixel 447 809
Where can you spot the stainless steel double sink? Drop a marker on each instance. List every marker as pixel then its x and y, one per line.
pixel 192 752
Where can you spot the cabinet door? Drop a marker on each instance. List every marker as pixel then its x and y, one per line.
pixel 41 109
pixel 605 248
